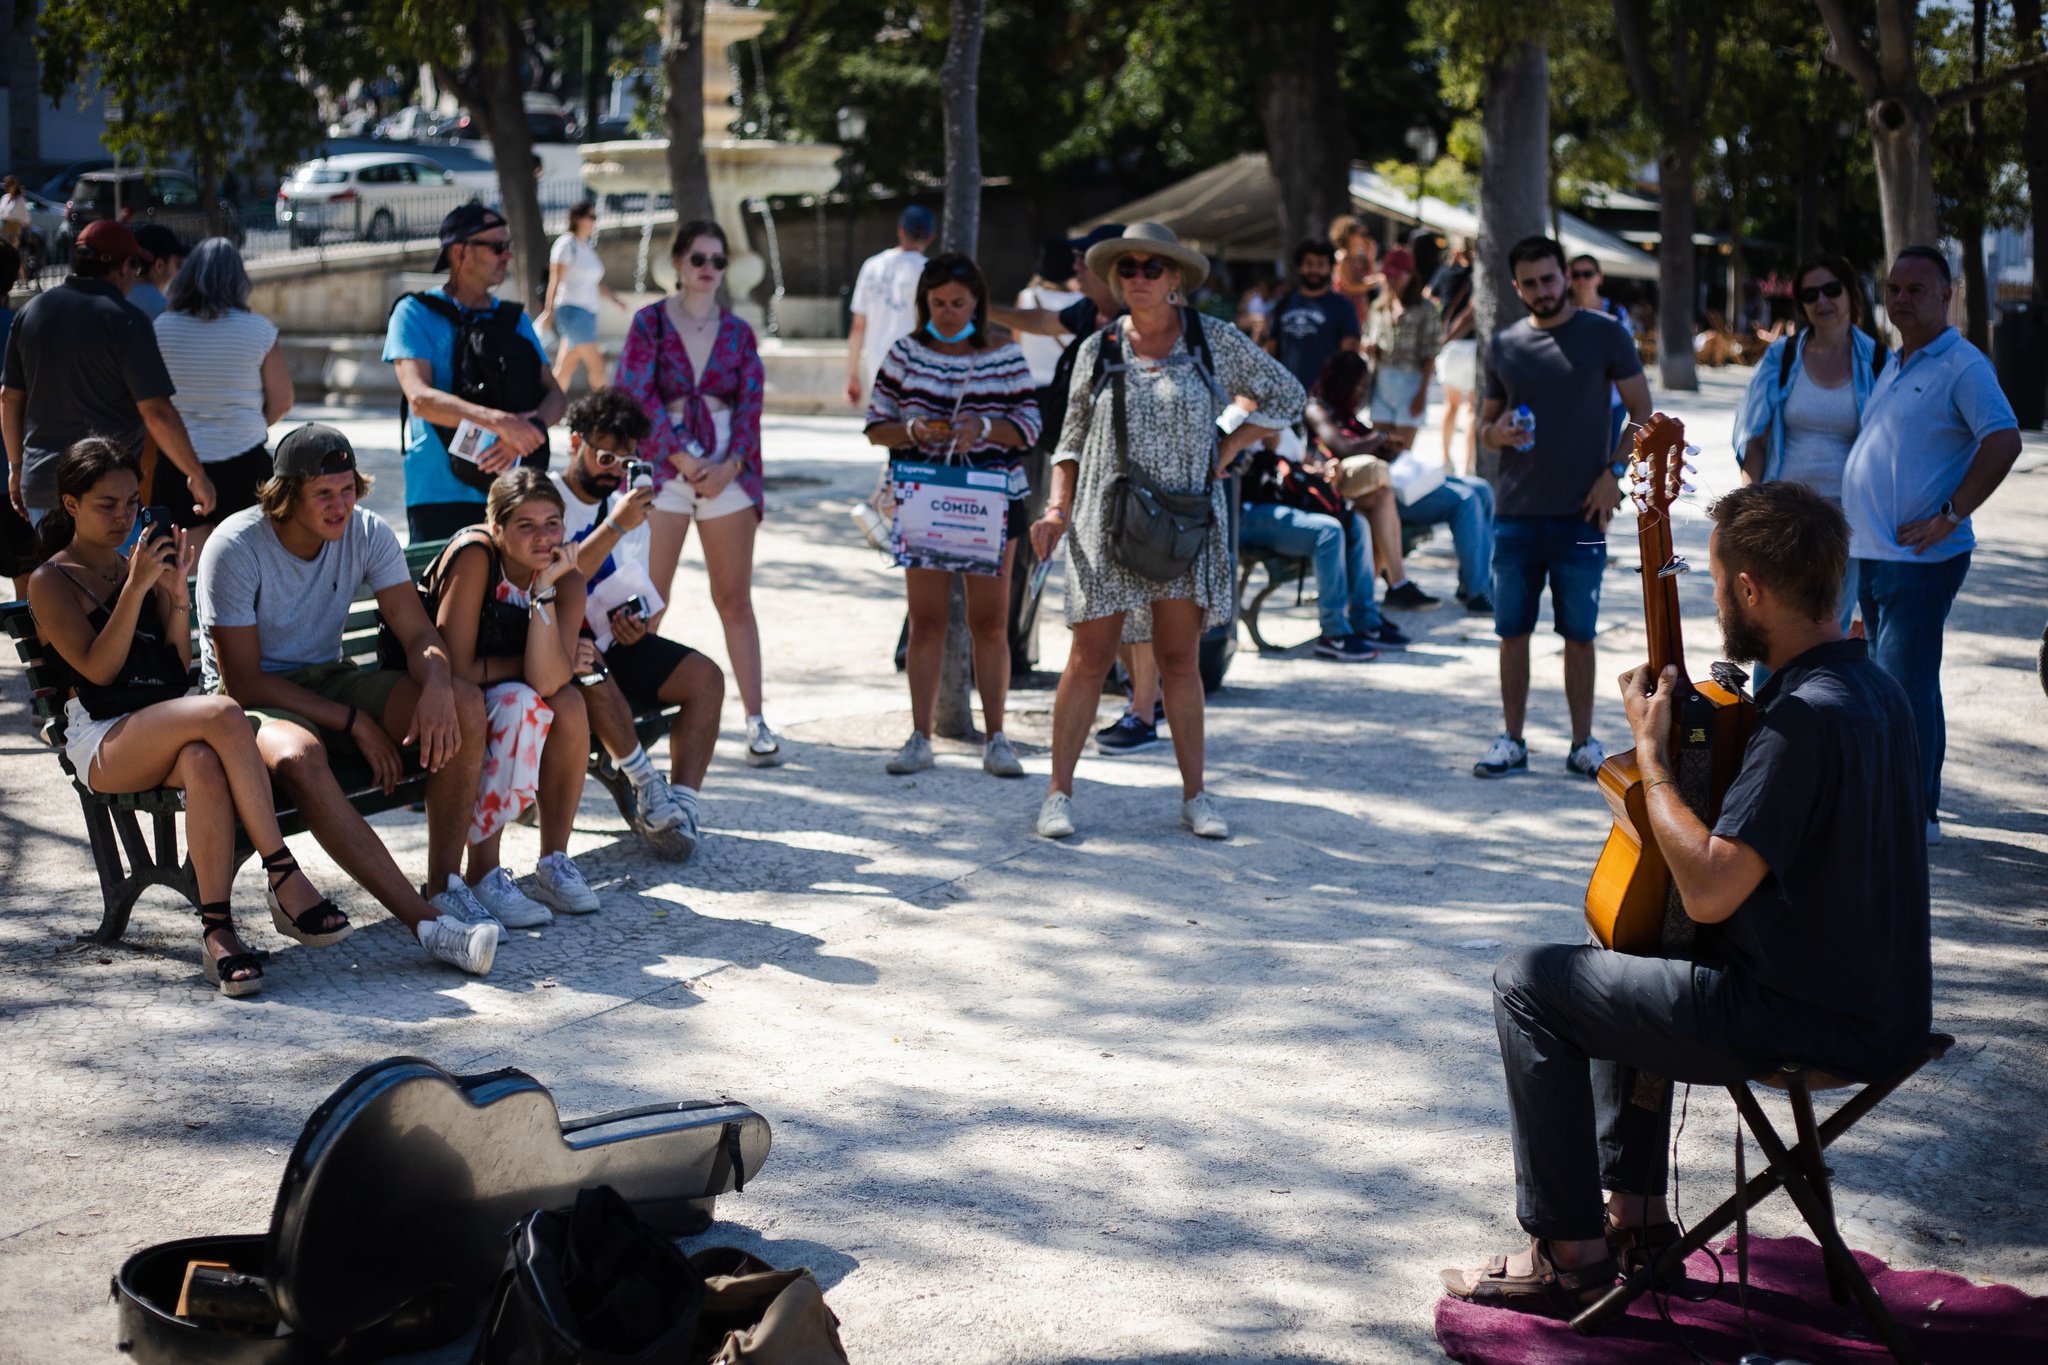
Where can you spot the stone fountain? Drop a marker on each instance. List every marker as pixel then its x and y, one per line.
pixel 741 169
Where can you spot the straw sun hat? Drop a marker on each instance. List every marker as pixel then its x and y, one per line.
pixel 1148 239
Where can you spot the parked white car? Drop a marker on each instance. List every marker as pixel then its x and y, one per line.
pixel 370 197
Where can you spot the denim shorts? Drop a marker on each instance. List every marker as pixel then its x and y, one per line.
pixel 577 326
pixel 1567 551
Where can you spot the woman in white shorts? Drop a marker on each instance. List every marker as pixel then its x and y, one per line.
pixel 695 369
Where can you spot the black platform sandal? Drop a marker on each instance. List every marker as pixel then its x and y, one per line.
pixel 237 974
pixel 318 927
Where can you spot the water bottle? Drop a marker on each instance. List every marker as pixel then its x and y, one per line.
pixel 1527 421
pixel 871 525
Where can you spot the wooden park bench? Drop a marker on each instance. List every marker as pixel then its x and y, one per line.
pixel 129 863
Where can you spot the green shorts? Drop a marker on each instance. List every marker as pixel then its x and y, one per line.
pixel 346 682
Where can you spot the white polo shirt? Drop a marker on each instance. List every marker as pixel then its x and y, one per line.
pixel 1922 425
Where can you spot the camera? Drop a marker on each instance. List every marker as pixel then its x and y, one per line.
pixel 639 474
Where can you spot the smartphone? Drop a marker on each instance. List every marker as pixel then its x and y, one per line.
pixel 639 474
pixel 635 607
pixel 156 521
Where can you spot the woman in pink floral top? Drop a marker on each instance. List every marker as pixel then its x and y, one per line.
pixel 693 366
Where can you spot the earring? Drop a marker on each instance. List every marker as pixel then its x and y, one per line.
pixel 1173 297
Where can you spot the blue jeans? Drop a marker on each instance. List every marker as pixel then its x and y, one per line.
pixel 1904 608
pixel 1568 551
pixel 1342 561
pixel 1467 504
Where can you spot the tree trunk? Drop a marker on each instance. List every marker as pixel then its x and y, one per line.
pixel 682 73
pixel 206 162
pixel 503 111
pixel 2026 22
pixel 1970 211
pixel 1738 264
pixel 953 709
pixel 960 92
pixel 1902 137
pixel 1513 194
pixel 1806 233
pixel 1301 111
pixel 1677 282
pixel 25 81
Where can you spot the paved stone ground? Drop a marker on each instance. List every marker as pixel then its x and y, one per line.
pixel 1129 1097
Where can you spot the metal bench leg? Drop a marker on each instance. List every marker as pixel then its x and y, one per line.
pixel 117 889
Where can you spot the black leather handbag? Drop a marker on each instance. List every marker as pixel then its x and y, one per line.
pixel 1154 532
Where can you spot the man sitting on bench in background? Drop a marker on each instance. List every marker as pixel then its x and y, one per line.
pixel 275 584
pixel 1816 872
pixel 645 671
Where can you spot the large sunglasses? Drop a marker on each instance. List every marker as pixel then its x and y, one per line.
pixel 605 459
pixel 1815 292
pixel 1151 268
pixel 497 248
pixel 699 260
pixel 1585 274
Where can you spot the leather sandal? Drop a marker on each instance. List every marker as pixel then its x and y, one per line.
pixel 1637 1248
pixel 318 927
pixel 1549 1290
pixel 237 974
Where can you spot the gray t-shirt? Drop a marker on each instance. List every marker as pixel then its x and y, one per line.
pixel 1562 374
pixel 298 606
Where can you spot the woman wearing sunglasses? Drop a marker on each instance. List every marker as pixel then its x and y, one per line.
pixel 945 395
pixel 1174 393
pixel 1804 405
pixel 693 366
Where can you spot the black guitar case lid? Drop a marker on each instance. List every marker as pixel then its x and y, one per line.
pixel 391 1219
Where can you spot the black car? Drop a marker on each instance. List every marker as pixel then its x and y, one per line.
pixel 144 196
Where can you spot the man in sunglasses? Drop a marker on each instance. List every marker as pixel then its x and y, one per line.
pixel 1313 322
pixel 423 340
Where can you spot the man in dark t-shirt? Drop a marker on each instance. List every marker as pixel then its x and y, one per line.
pixel 1314 322
pixel 1555 497
pixel 1817 871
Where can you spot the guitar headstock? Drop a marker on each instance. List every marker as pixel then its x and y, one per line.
pixel 1658 473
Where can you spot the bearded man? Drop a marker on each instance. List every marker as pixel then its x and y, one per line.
pixel 1817 871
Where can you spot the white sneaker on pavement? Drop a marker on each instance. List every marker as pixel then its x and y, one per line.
pixel 558 883
pixel 459 904
pixel 509 905
pixel 914 757
pixel 659 809
pixel 468 946
pixel 1200 815
pixel 763 749
pixel 1056 816
pixel 998 759
pixel 1587 758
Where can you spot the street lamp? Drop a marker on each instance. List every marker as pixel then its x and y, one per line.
pixel 853 126
pixel 1421 140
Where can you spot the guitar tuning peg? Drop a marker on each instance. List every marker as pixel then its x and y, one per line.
pixel 1691 452
pixel 1642 503
pixel 1676 567
pixel 1686 488
pixel 1690 468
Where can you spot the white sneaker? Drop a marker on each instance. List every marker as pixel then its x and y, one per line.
pixel 468 946
pixel 559 883
pixel 763 749
pixel 1587 758
pixel 1506 756
pixel 1200 815
pixel 458 904
pixel 998 759
pixel 681 842
pixel 659 809
pixel 914 757
pixel 509 905
pixel 1056 816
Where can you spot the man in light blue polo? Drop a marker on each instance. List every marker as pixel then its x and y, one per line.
pixel 1938 437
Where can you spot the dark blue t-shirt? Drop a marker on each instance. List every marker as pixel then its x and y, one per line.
pixel 1310 328
pixel 1829 796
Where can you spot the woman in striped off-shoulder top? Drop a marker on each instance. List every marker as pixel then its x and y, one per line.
pixel 944 395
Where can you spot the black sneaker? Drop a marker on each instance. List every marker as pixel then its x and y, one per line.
pixel 1479 604
pixel 1386 635
pixel 1346 649
pixel 1408 597
pixel 1128 734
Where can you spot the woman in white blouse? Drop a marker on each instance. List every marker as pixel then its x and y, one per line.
pixel 231 383
pixel 575 287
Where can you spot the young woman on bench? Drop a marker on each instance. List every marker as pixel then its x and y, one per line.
pixel 120 622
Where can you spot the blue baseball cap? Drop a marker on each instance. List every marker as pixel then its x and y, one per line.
pixel 1094 235
pixel 917 220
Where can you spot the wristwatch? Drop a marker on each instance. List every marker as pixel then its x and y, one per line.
pixel 1618 468
pixel 1948 509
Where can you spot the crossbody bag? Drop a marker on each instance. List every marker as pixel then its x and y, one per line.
pixel 1154 532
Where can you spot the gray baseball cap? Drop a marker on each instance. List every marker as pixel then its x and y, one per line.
pixel 311 451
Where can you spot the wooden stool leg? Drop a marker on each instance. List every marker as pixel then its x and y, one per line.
pixel 1815 1164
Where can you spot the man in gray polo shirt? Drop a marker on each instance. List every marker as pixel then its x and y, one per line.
pixel 275 584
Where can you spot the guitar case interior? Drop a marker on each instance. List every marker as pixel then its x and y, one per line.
pixel 391 1220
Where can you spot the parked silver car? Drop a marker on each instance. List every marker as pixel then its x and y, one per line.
pixel 368 196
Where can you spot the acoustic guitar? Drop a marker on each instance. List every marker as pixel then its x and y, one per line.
pixel 1632 906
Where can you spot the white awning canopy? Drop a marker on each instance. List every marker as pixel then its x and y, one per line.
pixel 1233 211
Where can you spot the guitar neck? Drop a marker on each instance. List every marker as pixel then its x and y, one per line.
pixel 1660 597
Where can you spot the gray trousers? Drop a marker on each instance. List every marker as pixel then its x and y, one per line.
pixel 1591 1040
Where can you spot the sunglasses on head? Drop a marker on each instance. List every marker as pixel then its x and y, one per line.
pixel 1811 293
pixel 1151 268
pixel 498 248
pixel 700 260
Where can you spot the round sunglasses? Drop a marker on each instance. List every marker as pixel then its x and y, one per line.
pixel 1812 293
pixel 700 260
pixel 1151 268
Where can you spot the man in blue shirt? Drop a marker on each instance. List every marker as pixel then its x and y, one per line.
pixel 1937 438
pixel 476 249
pixel 1314 322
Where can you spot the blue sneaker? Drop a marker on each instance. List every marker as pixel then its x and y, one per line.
pixel 1126 736
pixel 1346 649
pixel 1385 635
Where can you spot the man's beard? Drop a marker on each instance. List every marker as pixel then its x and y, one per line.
pixel 1314 282
pixel 1742 641
pixel 1541 309
pixel 598 485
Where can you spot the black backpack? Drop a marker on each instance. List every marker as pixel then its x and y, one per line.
pixel 493 367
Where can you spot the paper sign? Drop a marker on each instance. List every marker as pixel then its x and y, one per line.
pixel 627 579
pixel 471 441
pixel 949 517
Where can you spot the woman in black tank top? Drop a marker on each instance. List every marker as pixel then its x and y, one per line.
pixel 119 623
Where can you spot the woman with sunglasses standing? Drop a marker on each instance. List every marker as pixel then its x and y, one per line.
pixel 1175 384
pixel 1805 402
pixel 692 365
pixel 945 395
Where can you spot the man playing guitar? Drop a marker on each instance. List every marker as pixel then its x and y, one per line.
pixel 1817 871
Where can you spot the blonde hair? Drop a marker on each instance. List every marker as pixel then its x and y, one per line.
pixel 279 497
pixel 517 486
pixel 1342 227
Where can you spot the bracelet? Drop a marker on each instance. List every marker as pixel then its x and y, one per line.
pixel 545 595
pixel 1059 512
pixel 1657 782
pixel 348 727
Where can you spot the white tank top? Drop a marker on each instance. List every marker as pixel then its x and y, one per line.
pixel 1820 426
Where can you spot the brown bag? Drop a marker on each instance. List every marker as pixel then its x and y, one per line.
pixel 754 1314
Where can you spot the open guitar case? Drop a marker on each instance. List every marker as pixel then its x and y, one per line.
pixel 391 1220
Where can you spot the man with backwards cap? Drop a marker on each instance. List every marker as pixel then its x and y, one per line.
pixel 885 300
pixel 275 584
pixel 419 341
pixel 82 361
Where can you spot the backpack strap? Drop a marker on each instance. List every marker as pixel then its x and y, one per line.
pixel 1786 356
pixel 440 306
pixel 1877 360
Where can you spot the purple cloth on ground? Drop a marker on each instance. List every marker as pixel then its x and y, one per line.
pixel 1788 1302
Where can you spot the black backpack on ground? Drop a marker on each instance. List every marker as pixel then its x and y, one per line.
pixel 493 367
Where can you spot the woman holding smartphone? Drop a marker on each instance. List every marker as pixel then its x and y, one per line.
pixel 120 622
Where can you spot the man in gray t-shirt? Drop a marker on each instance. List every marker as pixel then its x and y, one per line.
pixel 275 585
